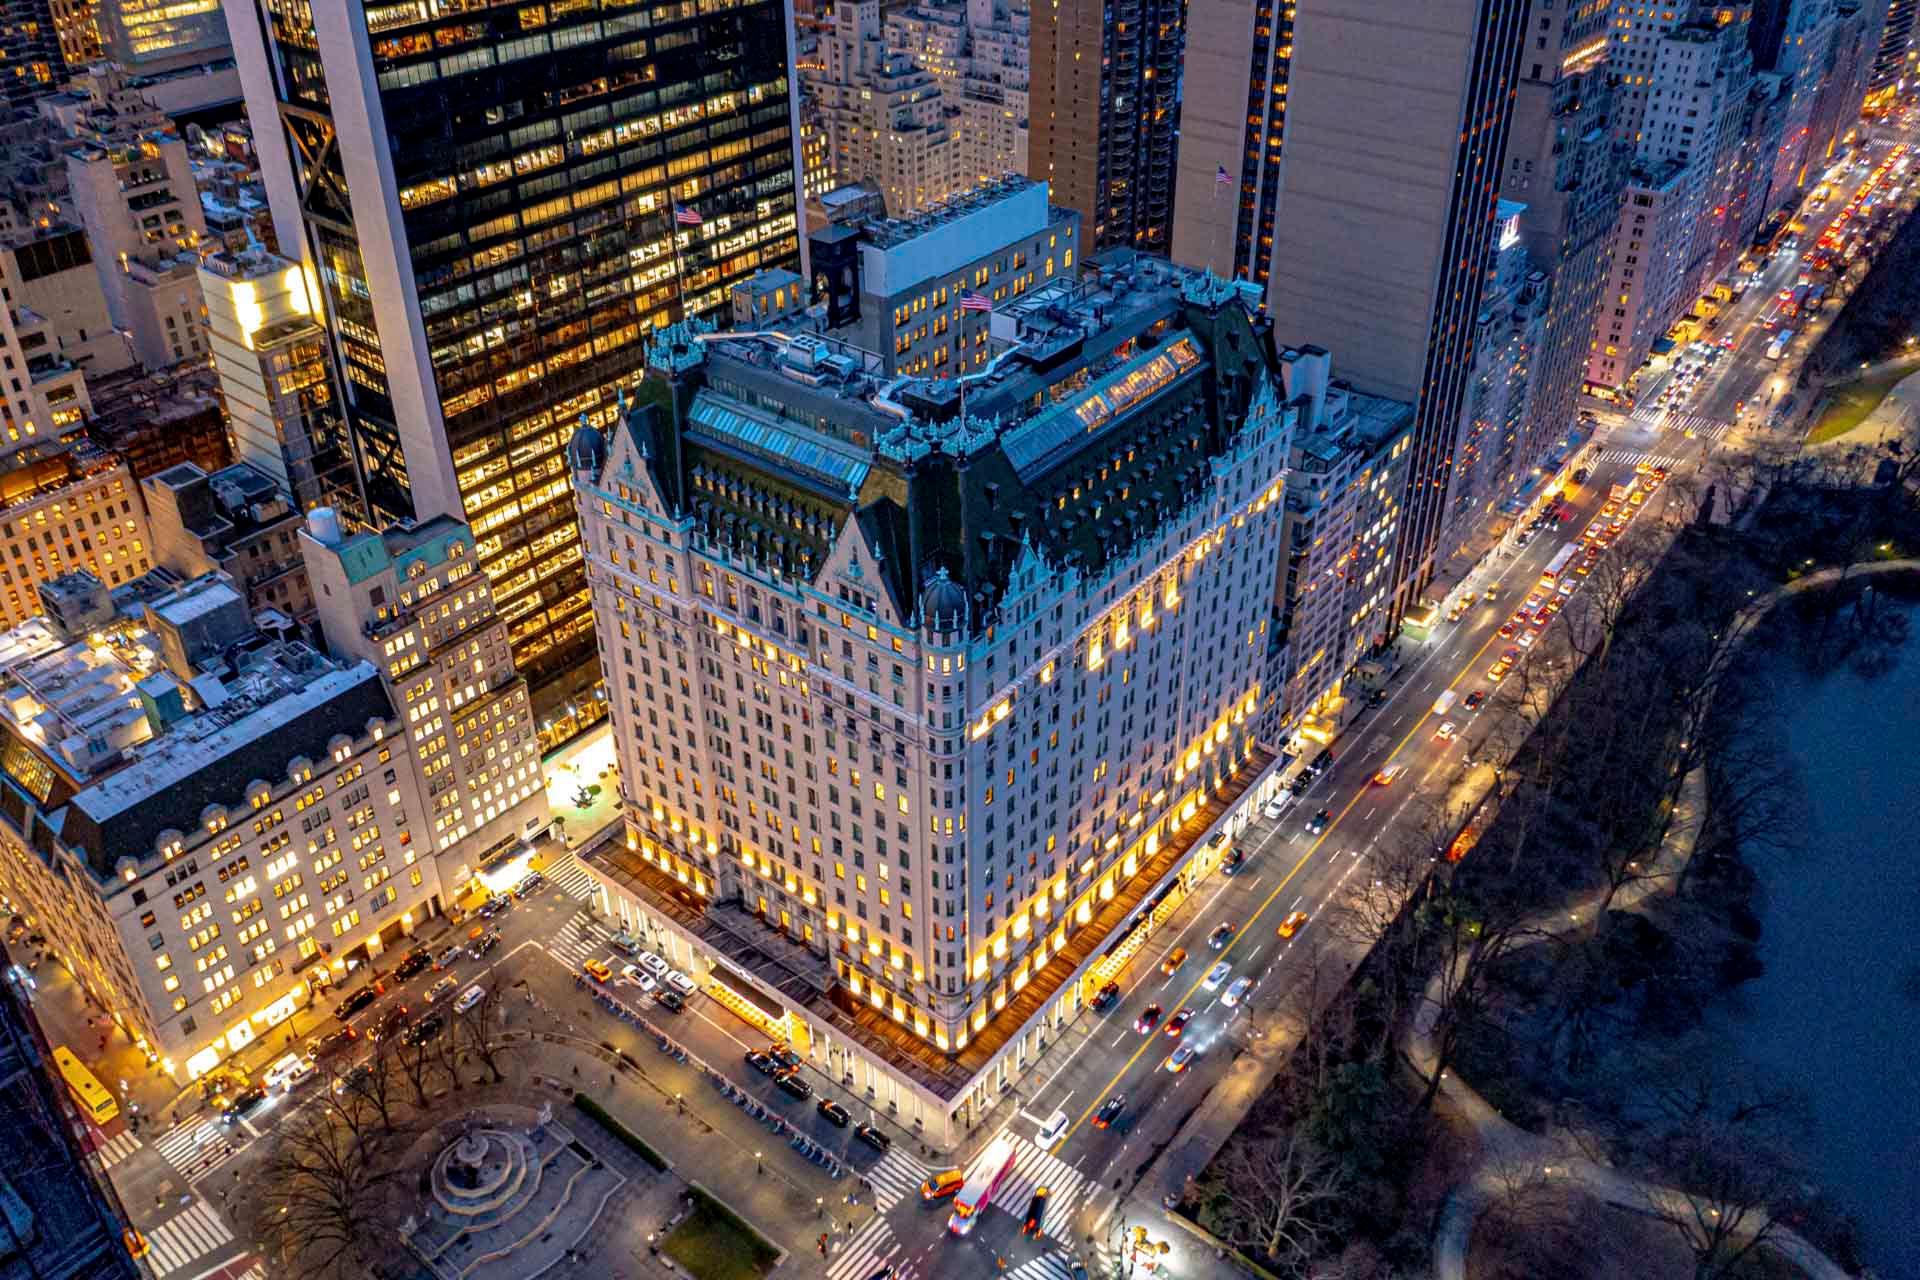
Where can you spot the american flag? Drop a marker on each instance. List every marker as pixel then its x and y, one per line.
pixel 1221 177
pixel 971 301
pixel 686 217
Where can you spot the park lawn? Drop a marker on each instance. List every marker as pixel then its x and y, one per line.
pixel 712 1244
pixel 1851 404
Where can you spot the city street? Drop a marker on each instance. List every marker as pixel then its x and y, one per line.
pixel 1126 1098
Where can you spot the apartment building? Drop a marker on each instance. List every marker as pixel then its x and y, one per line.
pixel 919 292
pixel 1500 437
pixel 67 505
pixel 270 352
pixel 885 116
pixel 412 601
pixel 237 521
pixel 1104 115
pixel 30 63
pixel 130 185
pixel 1566 170
pixel 1678 216
pixel 926 719
pixel 1344 502
pixel 160 420
pixel 53 327
pixel 216 823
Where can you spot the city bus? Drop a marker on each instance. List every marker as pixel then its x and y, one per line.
pixel 988 1172
pixel 1558 565
pixel 1778 347
pixel 92 1096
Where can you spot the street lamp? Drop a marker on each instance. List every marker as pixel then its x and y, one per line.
pixel 819 1206
pixel 758 1168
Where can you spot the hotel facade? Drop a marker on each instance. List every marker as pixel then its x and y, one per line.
pixel 932 698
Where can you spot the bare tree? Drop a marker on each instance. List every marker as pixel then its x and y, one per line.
pixel 1735 1192
pixel 1272 1197
pixel 371 1081
pixel 324 1212
pixel 417 1060
pixel 1469 931
pixel 477 1029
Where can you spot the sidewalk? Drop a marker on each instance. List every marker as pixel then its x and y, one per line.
pixel 702 1137
pixel 585 766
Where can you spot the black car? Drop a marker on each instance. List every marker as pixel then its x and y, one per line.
pixel 761 1062
pixel 415 961
pixel 483 944
pixel 1235 861
pixel 494 906
pixel 355 1003
pixel 670 999
pixel 1474 700
pixel 425 1029
pixel 783 1055
pixel 358 1078
pixel 1036 1212
pixel 1107 997
pixel 243 1103
pixel 529 885
pixel 1109 1111
pixel 1220 937
pixel 388 1023
pixel 333 1042
pixel 793 1086
pixel 873 1137
pixel 833 1111
pixel 1318 822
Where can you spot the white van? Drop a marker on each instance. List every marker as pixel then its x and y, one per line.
pixel 287 1072
pixel 1053 1130
pixel 472 996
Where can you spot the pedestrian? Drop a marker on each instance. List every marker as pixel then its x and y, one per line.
pixel 576 1069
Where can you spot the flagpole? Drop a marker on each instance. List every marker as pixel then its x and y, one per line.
pixel 1214 251
pixel 673 243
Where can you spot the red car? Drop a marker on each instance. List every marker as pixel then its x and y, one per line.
pixel 1178 1022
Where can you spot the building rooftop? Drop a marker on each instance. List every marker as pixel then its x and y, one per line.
pixel 779 440
pixel 133 742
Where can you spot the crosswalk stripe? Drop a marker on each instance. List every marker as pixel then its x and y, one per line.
pixel 897 1177
pixel 195 1158
pixel 192 1234
pixel 572 878
pixel 1033 1168
pixel 1048 1266
pixel 865 1254
pixel 116 1149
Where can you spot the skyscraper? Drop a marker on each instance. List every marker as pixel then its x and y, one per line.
pixel 29 51
pixel 1233 110
pixel 498 208
pixel 1388 184
pixel 1104 115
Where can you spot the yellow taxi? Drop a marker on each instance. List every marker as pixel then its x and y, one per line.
pixel 597 970
pixel 1292 924
pixel 942 1184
